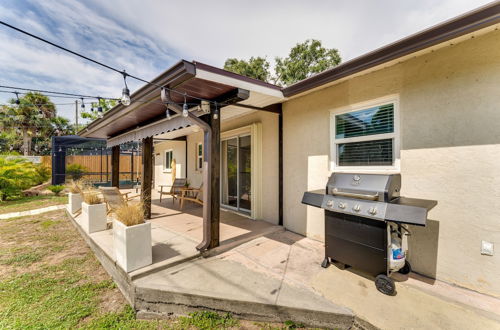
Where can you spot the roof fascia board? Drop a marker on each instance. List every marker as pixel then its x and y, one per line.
pixel 480 18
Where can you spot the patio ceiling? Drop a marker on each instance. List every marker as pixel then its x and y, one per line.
pixel 197 80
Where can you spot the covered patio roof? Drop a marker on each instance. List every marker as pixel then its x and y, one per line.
pixel 196 80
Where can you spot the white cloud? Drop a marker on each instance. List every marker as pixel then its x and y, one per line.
pixel 148 36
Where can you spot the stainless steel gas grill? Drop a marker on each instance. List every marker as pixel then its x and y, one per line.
pixel 366 223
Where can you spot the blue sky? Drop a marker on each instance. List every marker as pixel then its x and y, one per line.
pixel 146 37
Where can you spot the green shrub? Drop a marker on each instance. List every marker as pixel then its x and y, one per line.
pixel 75 171
pixel 43 172
pixel 16 175
pixel 56 189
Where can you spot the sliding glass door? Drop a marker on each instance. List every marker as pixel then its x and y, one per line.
pixel 236 178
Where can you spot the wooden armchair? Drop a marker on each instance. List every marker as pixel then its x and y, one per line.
pixel 175 189
pixel 194 195
pixel 114 198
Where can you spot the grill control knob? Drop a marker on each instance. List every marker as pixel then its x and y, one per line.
pixel 329 203
pixel 356 208
pixel 342 205
pixel 372 210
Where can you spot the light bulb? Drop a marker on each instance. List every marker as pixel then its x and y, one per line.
pixel 185 111
pixel 125 97
pixel 167 114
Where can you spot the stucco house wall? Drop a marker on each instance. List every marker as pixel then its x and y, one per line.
pixel 162 176
pixel 449 103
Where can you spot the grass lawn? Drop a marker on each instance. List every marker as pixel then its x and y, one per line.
pixel 49 278
pixel 30 203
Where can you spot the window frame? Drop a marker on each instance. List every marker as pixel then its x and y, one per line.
pixel 169 168
pixel 395 136
pixel 199 156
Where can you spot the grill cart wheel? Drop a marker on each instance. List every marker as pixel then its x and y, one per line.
pixel 385 284
pixel 326 262
pixel 406 269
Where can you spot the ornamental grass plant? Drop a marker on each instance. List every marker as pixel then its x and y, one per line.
pixel 130 214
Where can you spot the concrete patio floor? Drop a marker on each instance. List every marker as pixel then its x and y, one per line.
pixel 262 272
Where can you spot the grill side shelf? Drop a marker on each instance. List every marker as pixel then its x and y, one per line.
pixel 313 198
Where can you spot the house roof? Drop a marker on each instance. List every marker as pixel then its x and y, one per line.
pixel 208 82
pixel 461 25
pixel 193 79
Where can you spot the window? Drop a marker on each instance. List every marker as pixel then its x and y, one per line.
pixel 366 136
pixel 169 156
pixel 199 156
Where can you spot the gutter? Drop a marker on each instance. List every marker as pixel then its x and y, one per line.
pixel 469 22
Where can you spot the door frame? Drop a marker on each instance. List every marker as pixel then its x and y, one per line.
pixel 255 132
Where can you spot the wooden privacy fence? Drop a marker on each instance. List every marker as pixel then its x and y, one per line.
pixel 98 169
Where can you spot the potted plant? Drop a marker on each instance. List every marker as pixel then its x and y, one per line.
pixel 74 197
pixel 132 237
pixel 93 212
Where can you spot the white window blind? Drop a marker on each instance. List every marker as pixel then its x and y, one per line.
pixel 365 137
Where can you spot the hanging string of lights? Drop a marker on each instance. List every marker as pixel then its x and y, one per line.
pixel 125 99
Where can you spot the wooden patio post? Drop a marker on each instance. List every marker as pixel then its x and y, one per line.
pixel 214 179
pixel 115 166
pixel 147 175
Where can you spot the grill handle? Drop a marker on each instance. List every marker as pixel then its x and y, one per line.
pixel 336 192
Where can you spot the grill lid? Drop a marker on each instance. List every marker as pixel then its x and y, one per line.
pixel 375 187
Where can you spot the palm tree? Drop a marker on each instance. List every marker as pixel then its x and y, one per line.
pixel 29 114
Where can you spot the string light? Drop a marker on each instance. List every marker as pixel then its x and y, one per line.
pixel 83 104
pixel 17 98
pixel 167 113
pixel 125 100
pixel 185 109
pixel 216 112
pixel 126 93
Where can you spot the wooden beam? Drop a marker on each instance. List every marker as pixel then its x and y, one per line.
pixel 115 166
pixel 147 175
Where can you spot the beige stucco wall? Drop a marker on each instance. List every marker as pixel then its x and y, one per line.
pixel 195 176
pixel 161 176
pixel 450 152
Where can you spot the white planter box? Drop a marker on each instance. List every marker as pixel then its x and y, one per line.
pixel 74 202
pixel 133 249
pixel 94 217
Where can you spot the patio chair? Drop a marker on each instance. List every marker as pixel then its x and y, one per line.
pixel 114 198
pixel 192 195
pixel 175 189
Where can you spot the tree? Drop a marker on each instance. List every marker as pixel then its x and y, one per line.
pixel 304 60
pixel 256 67
pixel 29 125
pixel 31 112
pixel 94 114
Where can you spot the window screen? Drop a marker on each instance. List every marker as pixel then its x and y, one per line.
pixel 376 120
pixel 353 131
pixel 367 153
